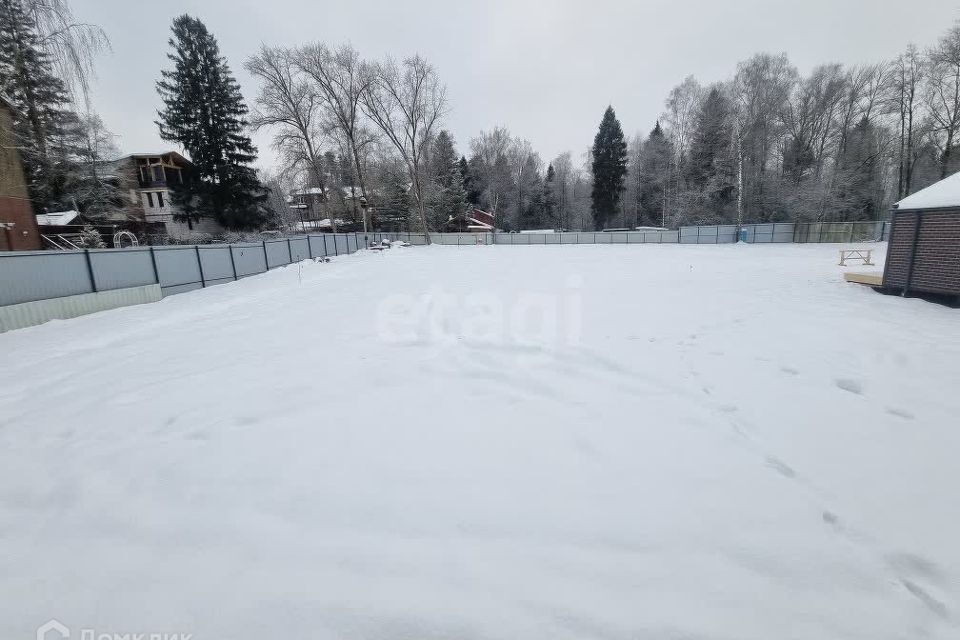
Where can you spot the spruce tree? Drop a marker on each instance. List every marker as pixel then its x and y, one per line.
pixel 397 208
pixel 204 112
pixel 449 197
pixel 609 169
pixel 47 131
pixel 711 168
pixel 549 197
pixel 655 159
pixel 859 187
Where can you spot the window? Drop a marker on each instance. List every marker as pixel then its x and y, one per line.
pixel 157 173
pixel 150 199
pixel 160 199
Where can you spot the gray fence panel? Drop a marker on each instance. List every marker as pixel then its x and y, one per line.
pixel 25 277
pixel 323 244
pixel 249 259
pixel 299 249
pixel 181 288
pixel 726 233
pixel 178 268
pixel 341 244
pixel 215 260
pixel 552 238
pixel 278 254
pixel 122 268
pixel 689 235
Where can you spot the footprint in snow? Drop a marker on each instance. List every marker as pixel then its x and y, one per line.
pixel 831 519
pixel 790 371
pixel 900 413
pixel 848 384
pixel 781 467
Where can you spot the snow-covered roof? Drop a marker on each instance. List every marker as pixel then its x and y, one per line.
pixel 313 191
pixel 478 224
pixel 57 218
pixel 945 193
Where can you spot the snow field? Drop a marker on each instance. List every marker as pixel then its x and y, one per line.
pixel 491 442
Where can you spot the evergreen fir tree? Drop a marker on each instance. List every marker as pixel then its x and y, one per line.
pixel 449 198
pixel 609 169
pixel 48 132
pixel 204 112
pixel 550 198
pixel 859 183
pixel 654 177
pixel 468 182
pixel 711 167
pixel 472 171
pixel 397 211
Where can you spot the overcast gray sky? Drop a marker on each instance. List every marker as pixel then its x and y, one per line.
pixel 545 69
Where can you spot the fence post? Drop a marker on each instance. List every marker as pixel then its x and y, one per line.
pixel 289 252
pixel 324 245
pixel 266 260
pixel 850 235
pixel 93 277
pixel 203 280
pixel 233 262
pixel 310 246
pixel 153 259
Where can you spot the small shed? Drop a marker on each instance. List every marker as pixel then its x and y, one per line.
pixel 923 254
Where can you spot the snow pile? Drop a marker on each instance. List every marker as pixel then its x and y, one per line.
pixel 700 442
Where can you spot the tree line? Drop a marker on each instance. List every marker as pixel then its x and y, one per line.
pixel 766 144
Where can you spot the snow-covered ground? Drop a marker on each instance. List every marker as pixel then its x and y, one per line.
pixel 697 442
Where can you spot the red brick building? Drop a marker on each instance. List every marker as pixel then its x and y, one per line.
pixel 18 227
pixel 923 255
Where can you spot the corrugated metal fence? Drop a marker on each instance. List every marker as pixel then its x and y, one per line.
pixel 41 275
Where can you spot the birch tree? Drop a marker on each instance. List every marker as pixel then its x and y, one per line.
pixel 71 44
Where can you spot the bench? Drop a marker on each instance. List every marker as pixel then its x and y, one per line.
pixel 856 254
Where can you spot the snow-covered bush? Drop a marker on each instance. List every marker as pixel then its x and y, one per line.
pixel 90 238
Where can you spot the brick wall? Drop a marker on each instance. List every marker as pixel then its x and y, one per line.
pixel 14 203
pixel 936 261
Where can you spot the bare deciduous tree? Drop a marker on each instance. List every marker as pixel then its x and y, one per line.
pixel 406 102
pixel 340 79
pixel 288 105
pixel 943 95
pixel 908 73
